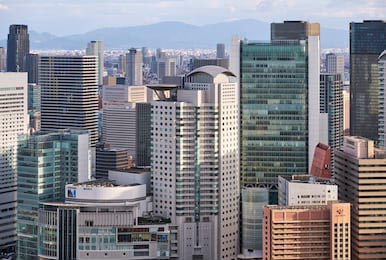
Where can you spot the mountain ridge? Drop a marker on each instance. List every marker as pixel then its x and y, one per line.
pixel 173 35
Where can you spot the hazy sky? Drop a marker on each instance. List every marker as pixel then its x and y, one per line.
pixel 63 17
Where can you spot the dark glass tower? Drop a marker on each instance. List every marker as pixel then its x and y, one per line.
pixel 367 41
pixel 17 47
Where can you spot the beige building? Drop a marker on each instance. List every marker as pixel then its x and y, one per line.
pixel 361 178
pixel 307 232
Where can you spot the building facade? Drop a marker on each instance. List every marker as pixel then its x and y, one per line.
pixel 45 164
pixel 360 176
pixel 96 48
pixel 307 232
pixel 69 93
pixel 279 103
pixel 134 67
pixel 32 67
pixel 110 159
pixel 220 51
pixel 334 64
pixel 100 220
pixel 195 163
pixel 306 190
pixel 34 106
pixel 367 42
pixel 252 202
pixel 331 103
pixel 17 47
pixel 3 59
pixel 382 99
pixel 13 121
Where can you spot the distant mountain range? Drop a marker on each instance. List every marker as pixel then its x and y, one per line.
pixel 174 35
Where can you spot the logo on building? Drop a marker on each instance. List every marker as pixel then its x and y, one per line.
pixel 71 193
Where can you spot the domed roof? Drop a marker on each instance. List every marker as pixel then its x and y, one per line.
pixel 212 71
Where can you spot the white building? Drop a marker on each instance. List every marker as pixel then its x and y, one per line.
pixel 96 48
pixel 134 67
pixel 125 93
pixel 382 99
pixel 195 163
pixel 104 220
pixel 305 190
pixel 13 122
pixel 346 111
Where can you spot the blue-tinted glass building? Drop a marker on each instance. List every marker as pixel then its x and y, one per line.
pixel 367 42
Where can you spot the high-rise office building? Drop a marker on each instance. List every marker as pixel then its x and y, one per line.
pixel 220 52
pixel 110 159
pixel 45 164
pixel 360 173
pixel 119 126
pixel 195 162
pixel 96 48
pixel 334 63
pixel 17 47
pixel 13 122
pixel 143 134
pixel 122 65
pixel 134 67
pixel 307 232
pixel 331 103
pixel 346 111
pixel 3 59
pixel 166 67
pixel 252 202
pixel 32 67
pixel 367 42
pixel 382 99
pixel 279 102
pixel 69 93
pixel 34 106
pixel 321 164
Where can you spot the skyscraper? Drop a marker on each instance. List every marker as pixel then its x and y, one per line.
pixel 96 48
pixel 34 106
pixel 3 59
pixel 32 67
pixel 279 102
pixel 360 173
pixel 195 162
pixel 334 63
pixel 134 67
pixel 331 103
pixel 13 122
pixel 69 93
pixel 382 99
pixel 367 42
pixel 17 47
pixel 220 53
pixel 45 164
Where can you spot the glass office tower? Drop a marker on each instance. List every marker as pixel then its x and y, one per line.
pixel 274 110
pixel 367 41
pixel 45 164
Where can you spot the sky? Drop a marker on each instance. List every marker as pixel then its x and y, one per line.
pixel 66 17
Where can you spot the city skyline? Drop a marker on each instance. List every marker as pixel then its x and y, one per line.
pixel 71 16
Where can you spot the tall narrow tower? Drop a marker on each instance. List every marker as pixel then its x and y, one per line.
pixel 367 42
pixel 96 48
pixel 134 67
pixel 17 47
pixel 195 163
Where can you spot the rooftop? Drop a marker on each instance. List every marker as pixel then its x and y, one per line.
pixel 212 71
